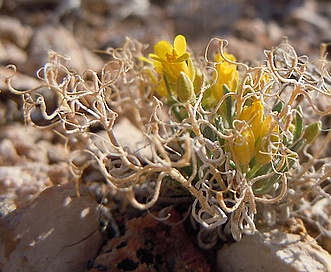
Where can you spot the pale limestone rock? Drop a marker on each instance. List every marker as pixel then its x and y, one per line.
pixel 58 231
pixel 28 163
pixel 308 12
pixel 11 53
pixel 319 222
pixel 129 136
pixel 274 250
pixel 11 29
pixel 60 40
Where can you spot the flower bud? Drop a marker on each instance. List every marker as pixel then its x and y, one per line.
pixel 185 88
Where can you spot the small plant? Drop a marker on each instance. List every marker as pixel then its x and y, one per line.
pixel 237 141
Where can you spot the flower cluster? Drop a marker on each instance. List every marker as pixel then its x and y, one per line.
pixel 248 134
pixel 255 134
pixel 174 68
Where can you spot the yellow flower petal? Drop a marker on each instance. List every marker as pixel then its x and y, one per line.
pixel 180 45
pixel 144 59
pixel 227 74
pixel 161 89
pixel 183 57
pixel 243 147
pixel 228 56
pixel 155 57
pixel 253 115
pixel 191 69
pixel 264 147
pixel 162 48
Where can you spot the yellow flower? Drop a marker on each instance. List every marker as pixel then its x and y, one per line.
pixel 265 78
pixel 225 80
pixel 226 74
pixel 264 141
pixel 243 148
pixel 169 62
pixel 253 115
pixel 259 81
pixel 264 130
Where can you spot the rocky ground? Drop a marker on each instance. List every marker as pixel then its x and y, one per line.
pixel 32 160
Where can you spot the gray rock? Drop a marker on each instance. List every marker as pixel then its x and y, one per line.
pixel 62 41
pixel 58 231
pixel 10 53
pixel 11 29
pixel 19 81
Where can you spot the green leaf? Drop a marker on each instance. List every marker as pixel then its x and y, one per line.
pixel 298 125
pixel 228 105
pixel 263 186
pixel 312 131
pixel 209 133
pixel 278 107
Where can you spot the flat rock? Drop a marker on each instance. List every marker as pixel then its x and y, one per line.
pixel 274 250
pixel 58 231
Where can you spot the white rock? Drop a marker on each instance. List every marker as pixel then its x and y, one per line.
pixel 58 231
pixel 274 250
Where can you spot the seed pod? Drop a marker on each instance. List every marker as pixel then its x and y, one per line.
pixel 185 88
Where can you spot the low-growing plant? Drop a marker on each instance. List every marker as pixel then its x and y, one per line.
pixel 236 142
